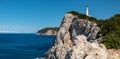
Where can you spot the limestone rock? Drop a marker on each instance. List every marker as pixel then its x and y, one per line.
pixel 76 39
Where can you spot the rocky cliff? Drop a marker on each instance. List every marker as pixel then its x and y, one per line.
pixel 76 39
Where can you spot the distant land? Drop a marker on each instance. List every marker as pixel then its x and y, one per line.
pixel 48 31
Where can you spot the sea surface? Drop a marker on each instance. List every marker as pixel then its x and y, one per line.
pixel 24 46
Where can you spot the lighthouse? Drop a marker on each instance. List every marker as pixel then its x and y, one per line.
pixel 87 11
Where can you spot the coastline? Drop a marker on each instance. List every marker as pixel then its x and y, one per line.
pixel 46 34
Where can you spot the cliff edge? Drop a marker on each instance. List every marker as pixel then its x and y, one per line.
pixel 76 39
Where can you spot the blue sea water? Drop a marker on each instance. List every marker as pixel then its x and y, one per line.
pixel 24 46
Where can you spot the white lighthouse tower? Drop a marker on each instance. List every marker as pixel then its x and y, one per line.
pixel 87 11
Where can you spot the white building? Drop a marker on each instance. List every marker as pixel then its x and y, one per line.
pixel 87 11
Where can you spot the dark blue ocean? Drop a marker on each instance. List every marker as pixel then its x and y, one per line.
pixel 24 46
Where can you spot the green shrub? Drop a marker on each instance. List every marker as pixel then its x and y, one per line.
pixel 111 40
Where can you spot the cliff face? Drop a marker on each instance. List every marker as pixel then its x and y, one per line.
pixel 76 39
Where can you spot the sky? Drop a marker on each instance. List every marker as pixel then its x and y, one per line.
pixel 28 16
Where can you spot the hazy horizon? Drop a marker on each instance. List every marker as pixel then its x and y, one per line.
pixel 28 16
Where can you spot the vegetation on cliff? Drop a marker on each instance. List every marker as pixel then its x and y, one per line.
pixel 110 29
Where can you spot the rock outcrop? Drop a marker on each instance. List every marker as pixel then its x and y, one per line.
pixel 76 39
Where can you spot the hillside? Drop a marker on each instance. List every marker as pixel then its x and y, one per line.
pixel 45 31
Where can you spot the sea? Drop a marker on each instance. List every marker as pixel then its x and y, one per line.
pixel 24 45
